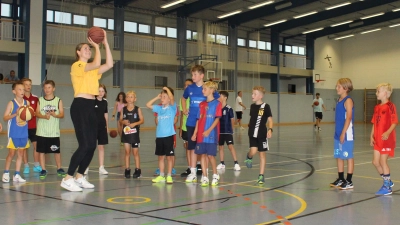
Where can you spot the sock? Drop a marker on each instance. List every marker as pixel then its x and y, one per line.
pixel 349 176
pixel 169 175
pixel 6 171
pixel 222 162
pixel 260 174
pixel 162 174
pixel 193 170
pixel 26 165
pixel 247 156
pixel 381 175
pixel 386 176
pixel 236 162
pixel 341 175
pixel 16 172
pixel 198 163
pixel 36 164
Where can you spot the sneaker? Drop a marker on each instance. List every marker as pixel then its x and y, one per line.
pixel 169 180
pixel 198 169
pixel 215 180
pixel 61 172
pixel 86 171
pixel 127 173
pixel 6 177
pixel 242 128
pixel 220 166
pixel 260 179
pixel 186 173
pixel 158 179
pixel 37 169
pixel 191 178
pixel 391 183
pixel 346 185
pixel 18 178
pixel 337 183
pixel 249 162
pixel 236 167
pixel 205 182
pixel 26 170
pixel 384 190
pixel 319 129
pixel 173 172
pixel 70 185
pixel 315 127
pixel 83 183
pixel 103 171
pixel 137 174
pixel 157 172
pixel 43 174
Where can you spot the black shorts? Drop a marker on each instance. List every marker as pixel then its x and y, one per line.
pixel 260 143
pixel 32 135
pixel 318 115
pixel 165 146
pixel 191 144
pixel 239 115
pixel 184 136
pixel 102 135
pixel 225 138
pixel 48 144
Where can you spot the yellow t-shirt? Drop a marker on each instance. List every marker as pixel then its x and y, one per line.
pixel 84 82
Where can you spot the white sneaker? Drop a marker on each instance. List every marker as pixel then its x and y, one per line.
pixel 205 182
pixel 18 178
pixel 86 171
pixel 319 129
pixel 191 178
pixel 83 183
pixel 215 180
pixel 236 167
pixel 6 177
pixel 102 170
pixel 70 185
pixel 242 128
pixel 220 166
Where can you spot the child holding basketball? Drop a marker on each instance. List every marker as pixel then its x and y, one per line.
pixel 260 115
pixel 318 105
pixel 49 111
pixel 383 135
pixel 165 132
pixel 131 117
pixel 206 132
pixel 344 134
pixel 17 133
pixel 226 131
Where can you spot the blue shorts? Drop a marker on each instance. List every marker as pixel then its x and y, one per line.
pixel 191 144
pixel 343 151
pixel 206 148
pixel 18 143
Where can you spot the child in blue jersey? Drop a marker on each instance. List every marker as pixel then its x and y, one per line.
pixel 194 92
pixel 226 131
pixel 344 134
pixel 17 133
pixel 165 132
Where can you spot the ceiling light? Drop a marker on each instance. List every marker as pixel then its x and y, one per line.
pixel 285 5
pixel 373 15
pixel 306 32
pixel 273 23
pixel 347 36
pixel 338 5
pixel 395 10
pixel 260 4
pixel 229 14
pixel 395 25
pixel 338 24
pixel 369 31
pixel 172 3
pixel 305 14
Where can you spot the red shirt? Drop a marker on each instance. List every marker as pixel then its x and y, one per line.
pixel 207 113
pixel 384 116
pixel 33 100
pixel 177 114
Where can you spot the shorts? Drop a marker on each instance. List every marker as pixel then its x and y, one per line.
pixel 17 143
pixel 343 151
pixel 206 148
pixel 165 146
pixel 385 151
pixel 225 138
pixel 239 115
pixel 32 135
pixel 48 144
pixel 102 135
pixel 318 115
pixel 184 136
pixel 260 143
pixel 191 144
pixel 118 114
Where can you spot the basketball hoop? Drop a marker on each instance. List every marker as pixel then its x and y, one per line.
pixel 317 78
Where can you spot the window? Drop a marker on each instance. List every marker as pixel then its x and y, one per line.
pixel 288 48
pixel 100 22
pixel 252 44
pixel 171 32
pixel 130 27
pixel 143 28
pixel 211 37
pixel 222 39
pixel 62 17
pixel 194 35
pixel 161 31
pixel 50 15
pixel 268 46
pixel 241 42
pixel 261 45
pixel 280 48
pixel 111 24
pixel 295 50
pixel 80 20
pixel 5 10
pixel 301 51
pixel 189 35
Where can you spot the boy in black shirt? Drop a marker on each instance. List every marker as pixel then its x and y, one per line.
pixel 260 114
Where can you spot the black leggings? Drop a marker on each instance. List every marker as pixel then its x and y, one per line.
pixel 84 118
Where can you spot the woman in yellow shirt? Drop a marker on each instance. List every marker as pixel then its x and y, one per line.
pixel 85 81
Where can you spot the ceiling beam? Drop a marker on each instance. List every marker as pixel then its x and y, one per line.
pixel 189 9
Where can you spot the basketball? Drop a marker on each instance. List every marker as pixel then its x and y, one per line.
pixel 113 133
pixel 316 103
pixel 25 113
pixel 96 34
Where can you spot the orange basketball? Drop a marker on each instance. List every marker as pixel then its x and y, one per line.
pixel 113 133
pixel 316 103
pixel 25 113
pixel 96 34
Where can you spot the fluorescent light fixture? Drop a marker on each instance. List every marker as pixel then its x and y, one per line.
pixel 338 5
pixel 261 4
pixel 285 5
pixel 273 23
pixel 395 25
pixel 229 14
pixel 172 3
pixel 369 31
pixel 338 24
pixel 395 10
pixel 343 37
pixel 373 15
pixel 305 14
pixel 306 32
